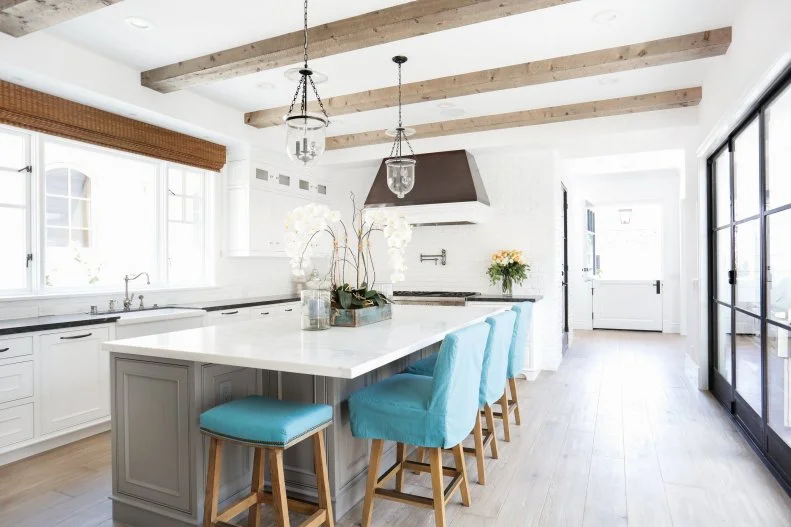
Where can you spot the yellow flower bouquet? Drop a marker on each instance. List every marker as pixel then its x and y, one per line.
pixel 508 266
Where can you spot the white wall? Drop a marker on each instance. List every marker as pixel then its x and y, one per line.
pixel 660 187
pixel 525 195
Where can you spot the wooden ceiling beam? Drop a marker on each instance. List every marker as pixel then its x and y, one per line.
pixel 571 112
pixel 20 17
pixel 411 19
pixel 602 62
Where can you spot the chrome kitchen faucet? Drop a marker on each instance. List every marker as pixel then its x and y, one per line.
pixel 129 298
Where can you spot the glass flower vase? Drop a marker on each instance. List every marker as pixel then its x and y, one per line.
pixel 508 286
pixel 315 309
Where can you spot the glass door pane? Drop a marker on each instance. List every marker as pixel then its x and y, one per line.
pixel 723 265
pixel 748 266
pixel 746 165
pixel 723 356
pixel 778 153
pixel 722 188
pixel 779 381
pixel 748 359
pixel 778 227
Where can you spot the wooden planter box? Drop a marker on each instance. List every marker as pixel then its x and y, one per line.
pixel 352 318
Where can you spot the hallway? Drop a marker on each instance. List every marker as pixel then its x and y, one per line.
pixel 618 436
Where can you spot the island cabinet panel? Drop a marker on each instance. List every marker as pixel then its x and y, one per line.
pixel 151 428
pixel 221 384
pixel 74 378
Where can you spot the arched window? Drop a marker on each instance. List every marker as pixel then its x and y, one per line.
pixel 68 208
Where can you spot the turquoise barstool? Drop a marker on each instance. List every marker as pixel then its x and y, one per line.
pixel 492 385
pixel 266 424
pixel 430 412
pixel 516 361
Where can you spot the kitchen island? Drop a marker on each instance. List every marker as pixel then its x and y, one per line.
pixel 161 384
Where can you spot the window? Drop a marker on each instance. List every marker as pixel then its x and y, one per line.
pixel 100 215
pixel 14 210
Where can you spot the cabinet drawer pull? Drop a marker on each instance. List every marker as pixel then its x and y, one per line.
pixel 265 312
pixel 230 312
pixel 290 309
pixel 4 350
pixel 77 336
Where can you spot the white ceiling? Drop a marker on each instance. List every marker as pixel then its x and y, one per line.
pixel 189 28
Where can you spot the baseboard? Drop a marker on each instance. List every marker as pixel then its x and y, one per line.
pixel 36 446
pixel 530 374
pixel 671 328
pixel 692 371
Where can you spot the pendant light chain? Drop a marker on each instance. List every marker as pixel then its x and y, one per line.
pixel 307 76
pixel 400 134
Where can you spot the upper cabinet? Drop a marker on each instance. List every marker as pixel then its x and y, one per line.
pixel 258 198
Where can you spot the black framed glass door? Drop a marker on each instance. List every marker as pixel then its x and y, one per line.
pixel 750 276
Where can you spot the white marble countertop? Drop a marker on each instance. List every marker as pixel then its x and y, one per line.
pixel 280 345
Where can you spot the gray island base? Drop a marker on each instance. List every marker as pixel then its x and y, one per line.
pixel 159 454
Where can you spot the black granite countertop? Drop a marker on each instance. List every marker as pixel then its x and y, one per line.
pixel 504 298
pixel 26 325
pixel 220 305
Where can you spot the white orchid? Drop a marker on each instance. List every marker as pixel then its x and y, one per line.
pixel 302 224
pixel 397 232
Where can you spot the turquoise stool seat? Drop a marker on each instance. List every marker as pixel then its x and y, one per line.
pixel 424 366
pixel 264 421
pixel 429 412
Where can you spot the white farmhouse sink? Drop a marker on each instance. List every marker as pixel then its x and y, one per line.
pixel 157 315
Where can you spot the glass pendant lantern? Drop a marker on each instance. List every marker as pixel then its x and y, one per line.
pixel 400 168
pixel 306 132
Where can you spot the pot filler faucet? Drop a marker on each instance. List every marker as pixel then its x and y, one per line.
pixel 127 297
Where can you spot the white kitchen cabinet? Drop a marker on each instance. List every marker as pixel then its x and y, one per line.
pixel 15 347
pixel 74 378
pixel 16 381
pixel 258 198
pixel 273 310
pixel 228 316
pixel 16 424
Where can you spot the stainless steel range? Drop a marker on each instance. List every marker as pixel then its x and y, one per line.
pixel 432 298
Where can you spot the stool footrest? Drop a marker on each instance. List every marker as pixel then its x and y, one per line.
pixel 425 467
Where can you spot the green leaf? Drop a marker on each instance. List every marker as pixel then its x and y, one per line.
pixel 371 294
pixel 364 286
pixel 379 301
pixel 345 298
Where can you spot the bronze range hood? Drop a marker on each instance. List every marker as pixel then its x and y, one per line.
pixel 448 191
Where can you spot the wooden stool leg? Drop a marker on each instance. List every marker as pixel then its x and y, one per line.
pixel 212 496
pixel 257 483
pixel 322 478
pixel 506 417
pixel 277 477
pixel 400 458
pixel 373 477
pixel 515 399
pixel 491 429
pixel 478 434
pixel 461 467
pixel 438 486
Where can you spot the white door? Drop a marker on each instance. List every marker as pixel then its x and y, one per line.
pixel 627 304
pixel 75 378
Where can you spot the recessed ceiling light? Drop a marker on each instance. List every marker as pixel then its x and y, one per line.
pixel 609 81
pixel 445 105
pixel 265 86
pixel 139 23
pixel 606 16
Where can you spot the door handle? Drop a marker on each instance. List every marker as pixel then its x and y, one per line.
pixel 658 285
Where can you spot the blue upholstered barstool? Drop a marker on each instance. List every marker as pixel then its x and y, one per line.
pixel 492 385
pixel 430 412
pixel 266 424
pixel 516 361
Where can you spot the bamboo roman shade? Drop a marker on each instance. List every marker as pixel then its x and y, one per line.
pixel 41 112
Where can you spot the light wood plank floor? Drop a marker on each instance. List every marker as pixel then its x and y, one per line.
pixel 617 436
